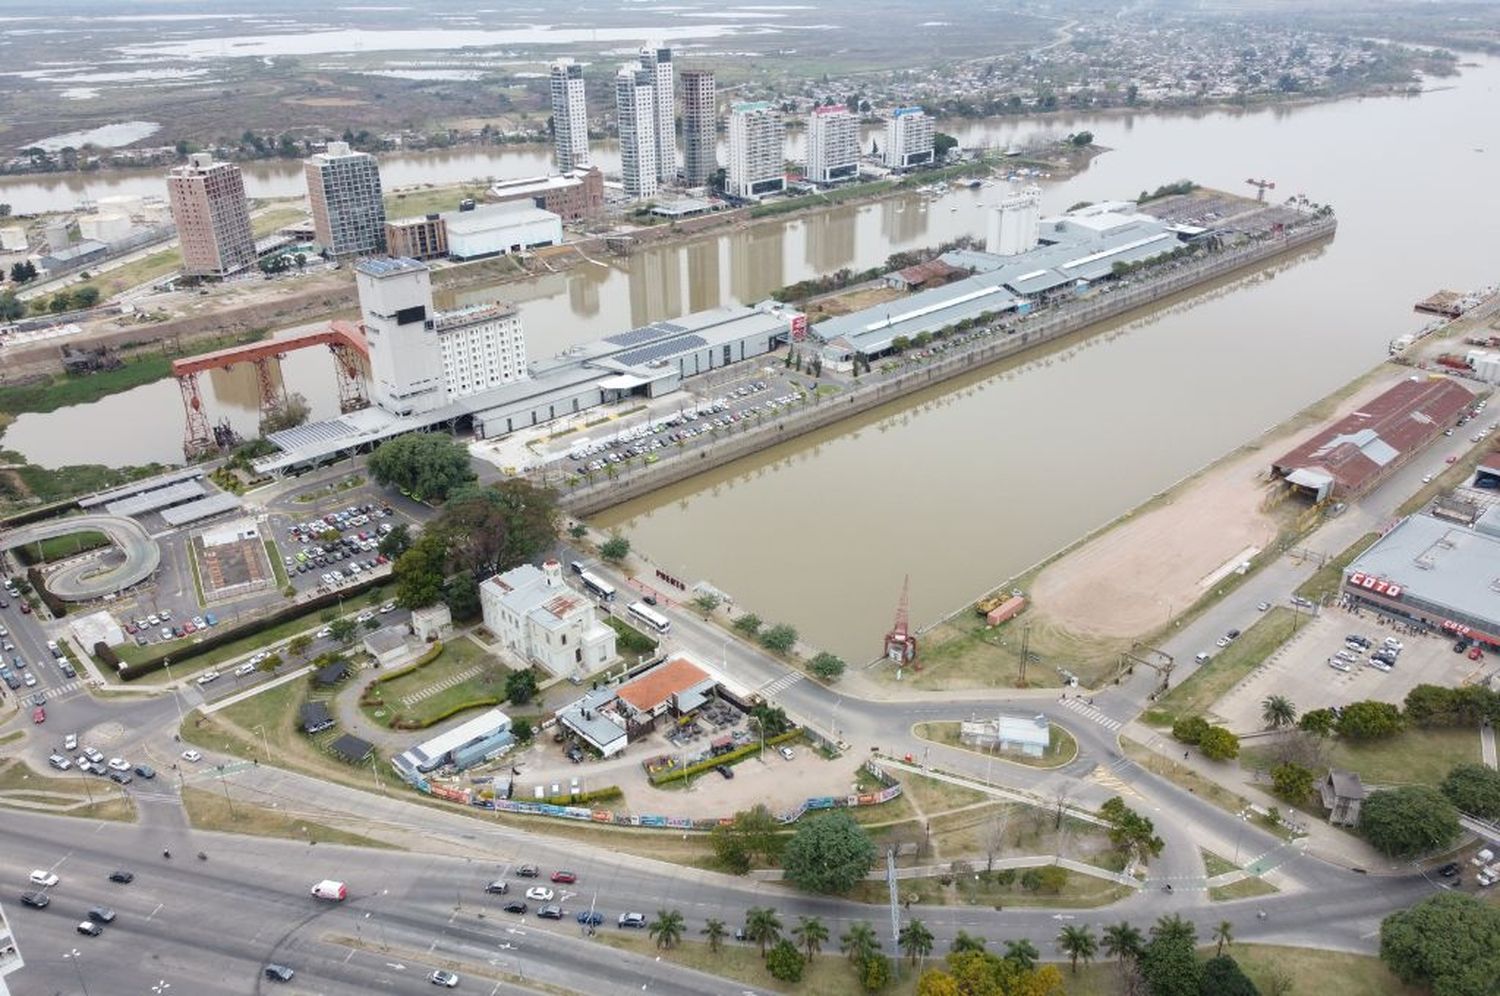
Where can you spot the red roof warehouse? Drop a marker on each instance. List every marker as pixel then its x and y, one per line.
pixel 1364 447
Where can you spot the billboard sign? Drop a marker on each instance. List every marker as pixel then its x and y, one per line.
pixel 1379 586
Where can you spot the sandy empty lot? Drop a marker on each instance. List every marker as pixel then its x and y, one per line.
pixel 1136 575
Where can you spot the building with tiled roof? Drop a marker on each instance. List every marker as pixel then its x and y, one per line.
pixel 542 621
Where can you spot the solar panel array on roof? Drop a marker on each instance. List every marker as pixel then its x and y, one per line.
pixel 150 501
pixel 657 350
pixel 646 333
pixel 312 432
pixel 200 509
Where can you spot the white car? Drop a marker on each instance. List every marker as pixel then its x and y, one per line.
pixel 1338 665
pixel 388 607
pixel 119 764
pixel 787 753
pixel 244 669
pixel 44 878
pixel 70 742
pixel 192 755
pixel 207 677
pixel 443 978
pixel 365 616
pixel 324 633
pixel 1426 478
pixel 540 894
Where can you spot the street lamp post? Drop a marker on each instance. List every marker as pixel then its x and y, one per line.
pixel 166 663
pixel 73 956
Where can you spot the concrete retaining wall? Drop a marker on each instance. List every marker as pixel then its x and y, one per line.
pixel 873 391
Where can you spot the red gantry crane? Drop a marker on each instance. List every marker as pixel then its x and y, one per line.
pixel 1261 187
pixel 900 642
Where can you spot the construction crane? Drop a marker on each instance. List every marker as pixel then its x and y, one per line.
pixel 900 644
pixel 1261 187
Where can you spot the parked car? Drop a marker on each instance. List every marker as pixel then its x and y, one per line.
pixel 550 913
pixel 590 918
pixel 787 753
pixel 101 914
pixel 122 876
pixel 44 878
pixel 724 770
pixel 564 876
pixel 527 871
pixel 515 906
pixel 36 900
pixel 444 978
pixel 279 973
pixel 90 928
pixel 497 888
pixel 635 921
pixel 540 894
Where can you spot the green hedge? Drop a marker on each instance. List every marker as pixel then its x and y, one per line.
pixel 399 722
pixel 608 794
pixel 52 510
pixel 105 654
pixel 55 605
pixel 427 658
pixel 730 757
pixel 229 635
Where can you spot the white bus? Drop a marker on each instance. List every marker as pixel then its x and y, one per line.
pixel 650 617
pixel 597 586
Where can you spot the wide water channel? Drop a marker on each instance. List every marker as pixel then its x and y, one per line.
pixel 969 484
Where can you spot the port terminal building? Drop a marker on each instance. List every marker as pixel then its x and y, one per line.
pixel 433 369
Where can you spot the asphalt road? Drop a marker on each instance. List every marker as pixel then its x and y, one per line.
pixel 209 926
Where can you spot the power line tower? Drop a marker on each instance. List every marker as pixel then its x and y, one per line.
pixel 900 643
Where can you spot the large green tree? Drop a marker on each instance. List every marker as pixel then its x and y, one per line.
pixel 1474 789
pixel 1218 744
pixel 1408 821
pixel 1170 964
pixel 1129 830
pixel 1292 781
pixel 828 853
pixel 1078 942
pixel 785 962
pixel 427 465
pixel 915 940
pixel 1449 943
pixel 667 928
pixel 421 571
pixel 1369 720
pixel 762 926
pixel 1278 712
pixel 494 527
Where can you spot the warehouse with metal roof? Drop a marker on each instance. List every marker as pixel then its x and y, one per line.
pixel 1366 446
pixel 1435 573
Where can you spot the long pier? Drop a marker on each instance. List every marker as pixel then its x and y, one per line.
pixel 1040 330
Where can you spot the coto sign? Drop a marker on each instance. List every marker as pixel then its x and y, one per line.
pixel 799 327
pixel 1377 585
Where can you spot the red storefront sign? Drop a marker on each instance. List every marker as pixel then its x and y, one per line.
pixel 799 328
pixel 1378 585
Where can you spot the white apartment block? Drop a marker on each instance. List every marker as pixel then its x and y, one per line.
pixel 832 145
pixel 757 156
pixel 635 112
pixel 212 217
pixel 570 116
pixel 420 360
pixel 348 209
pixel 657 58
pixel 908 138
pixel 542 621
pixel 482 346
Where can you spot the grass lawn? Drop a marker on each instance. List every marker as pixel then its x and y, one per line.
pixel 151 267
pixel 412 203
pixel 109 803
pixel 1187 778
pixel 829 974
pixel 277 568
pixel 1413 757
pixel 266 222
pixel 209 810
pixel 1245 888
pixel 1207 684
pixel 1060 751
pixel 459 655
pixel 1214 864
pixel 259 640
pixel 1326 973
pixel 965 653
pixel 1326 579
pixel 1080 892
pixel 62 547
pixel 631 640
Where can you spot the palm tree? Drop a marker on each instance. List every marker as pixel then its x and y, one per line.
pixel 811 934
pixel 716 932
pixel 1278 712
pixel 859 942
pixel 1123 941
pixel 966 941
pixel 1023 954
pixel 1224 934
pixel 1174 928
pixel 762 926
pixel 666 928
pixel 915 940
pixel 1078 942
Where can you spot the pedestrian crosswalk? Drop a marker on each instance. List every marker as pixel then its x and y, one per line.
pixel 1089 712
pixel 778 685
pixel 1114 774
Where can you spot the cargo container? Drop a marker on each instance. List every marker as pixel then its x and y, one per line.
pixel 1007 610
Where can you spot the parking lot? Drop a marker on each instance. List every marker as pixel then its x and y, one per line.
pixel 1301 670
pixel 324 551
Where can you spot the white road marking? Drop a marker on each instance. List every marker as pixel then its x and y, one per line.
pixel 156 911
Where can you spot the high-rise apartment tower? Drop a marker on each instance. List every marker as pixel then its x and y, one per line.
pixel 570 116
pixel 212 217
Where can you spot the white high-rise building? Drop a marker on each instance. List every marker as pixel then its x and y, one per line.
pixel 832 145
pixel 908 138
pixel 757 150
pixel 1014 225
pixel 343 189
pixel 635 114
pixel 657 58
pixel 570 116
pixel 421 359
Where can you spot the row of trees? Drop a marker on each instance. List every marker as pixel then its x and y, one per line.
pixel 23 272
pixel 1216 742
pixel 1448 943
pixel 827 666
